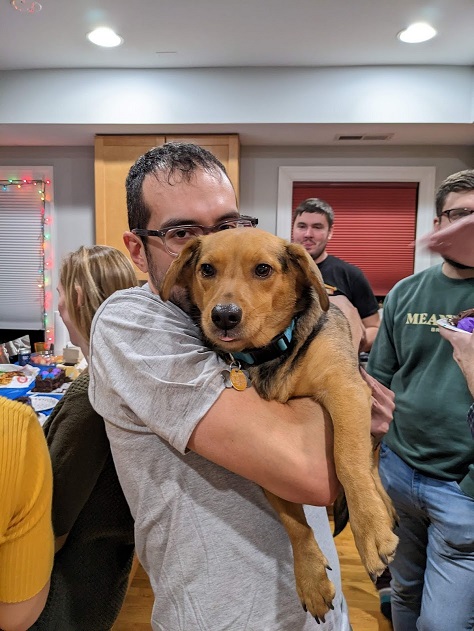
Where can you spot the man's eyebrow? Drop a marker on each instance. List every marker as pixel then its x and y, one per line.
pixel 175 222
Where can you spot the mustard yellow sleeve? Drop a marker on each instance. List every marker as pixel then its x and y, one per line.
pixel 26 535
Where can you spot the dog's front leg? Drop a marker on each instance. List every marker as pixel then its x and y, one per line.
pixel 315 590
pixel 371 515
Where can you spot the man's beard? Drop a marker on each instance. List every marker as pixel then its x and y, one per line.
pixel 179 295
pixel 155 277
pixel 456 264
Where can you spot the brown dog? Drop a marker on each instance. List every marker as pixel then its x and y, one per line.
pixel 261 300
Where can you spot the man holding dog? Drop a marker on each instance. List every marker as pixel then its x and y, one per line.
pixel 190 452
pixel 427 456
pixel 313 228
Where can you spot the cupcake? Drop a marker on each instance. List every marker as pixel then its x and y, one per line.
pixel 464 320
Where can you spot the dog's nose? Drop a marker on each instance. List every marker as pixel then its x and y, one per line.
pixel 226 316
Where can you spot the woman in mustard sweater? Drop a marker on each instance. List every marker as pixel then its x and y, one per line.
pixel 26 534
pixel 91 519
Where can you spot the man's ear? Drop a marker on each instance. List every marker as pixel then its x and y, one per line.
pixel 135 246
pixel 437 223
pixel 330 234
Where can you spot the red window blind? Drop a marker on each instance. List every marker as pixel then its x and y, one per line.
pixel 374 226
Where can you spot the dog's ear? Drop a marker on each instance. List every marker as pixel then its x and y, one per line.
pixel 181 269
pixel 298 255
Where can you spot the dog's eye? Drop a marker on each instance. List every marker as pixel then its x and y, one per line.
pixel 263 270
pixel 207 270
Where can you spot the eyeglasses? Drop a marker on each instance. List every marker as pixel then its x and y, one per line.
pixel 176 237
pixel 453 214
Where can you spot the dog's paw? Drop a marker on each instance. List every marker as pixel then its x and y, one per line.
pixel 376 546
pixel 315 591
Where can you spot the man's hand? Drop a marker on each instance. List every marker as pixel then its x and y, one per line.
pixel 353 317
pixel 383 405
pixel 455 241
pixel 463 352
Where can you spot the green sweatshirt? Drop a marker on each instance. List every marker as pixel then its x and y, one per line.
pixel 429 429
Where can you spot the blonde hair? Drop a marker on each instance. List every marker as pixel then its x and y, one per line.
pixel 97 272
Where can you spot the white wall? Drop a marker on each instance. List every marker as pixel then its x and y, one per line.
pixel 74 177
pixel 368 94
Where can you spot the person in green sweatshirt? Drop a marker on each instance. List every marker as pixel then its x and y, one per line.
pixel 427 456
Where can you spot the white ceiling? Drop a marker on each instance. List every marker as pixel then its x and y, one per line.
pixel 215 33
pixel 226 33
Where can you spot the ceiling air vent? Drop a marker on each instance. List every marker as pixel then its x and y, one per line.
pixel 364 137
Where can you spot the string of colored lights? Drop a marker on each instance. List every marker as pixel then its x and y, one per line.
pixel 46 266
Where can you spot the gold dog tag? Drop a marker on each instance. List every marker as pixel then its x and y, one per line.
pixel 238 379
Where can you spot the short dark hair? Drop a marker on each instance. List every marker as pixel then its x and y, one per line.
pixel 167 161
pixel 455 183
pixel 315 205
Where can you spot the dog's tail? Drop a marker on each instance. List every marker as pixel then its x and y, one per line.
pixel 341 513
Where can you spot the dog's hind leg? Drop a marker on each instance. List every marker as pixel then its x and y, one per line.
pixel 384 495
pixel 316 592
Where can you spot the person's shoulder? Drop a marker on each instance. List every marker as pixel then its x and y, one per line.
pixel 349 268
pixel 20 433
pixel 406 286
pixel 79 386
pixel 419 277
pixel 125 305
pixel 17 420
pixel 129 297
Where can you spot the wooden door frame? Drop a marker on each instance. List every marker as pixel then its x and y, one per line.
pixel 423 176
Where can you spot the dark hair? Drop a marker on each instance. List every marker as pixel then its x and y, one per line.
pixel 167 161
pixel 455 183
pixel 315 205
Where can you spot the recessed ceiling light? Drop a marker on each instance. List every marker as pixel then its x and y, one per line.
pixel 104 36
pixel 417 33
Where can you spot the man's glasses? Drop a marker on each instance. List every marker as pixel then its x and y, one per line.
pixel 453 214
pixel 176 237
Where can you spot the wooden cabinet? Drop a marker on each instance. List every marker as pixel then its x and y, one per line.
pixel 114 155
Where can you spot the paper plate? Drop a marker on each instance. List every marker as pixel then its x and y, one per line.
pixel 41 403
pixel 445 324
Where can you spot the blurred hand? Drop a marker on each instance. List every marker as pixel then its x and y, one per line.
pixel 456 241
pixel 383 405
pixel 353 317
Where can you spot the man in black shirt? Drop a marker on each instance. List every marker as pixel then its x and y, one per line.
pixel 312 228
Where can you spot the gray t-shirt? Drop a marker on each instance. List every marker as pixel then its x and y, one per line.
pixel 216 553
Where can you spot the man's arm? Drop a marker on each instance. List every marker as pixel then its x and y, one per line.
pixel 20 616
pixel 371 326
pixel 286 448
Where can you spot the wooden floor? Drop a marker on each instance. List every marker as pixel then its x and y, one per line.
pixel 358 590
